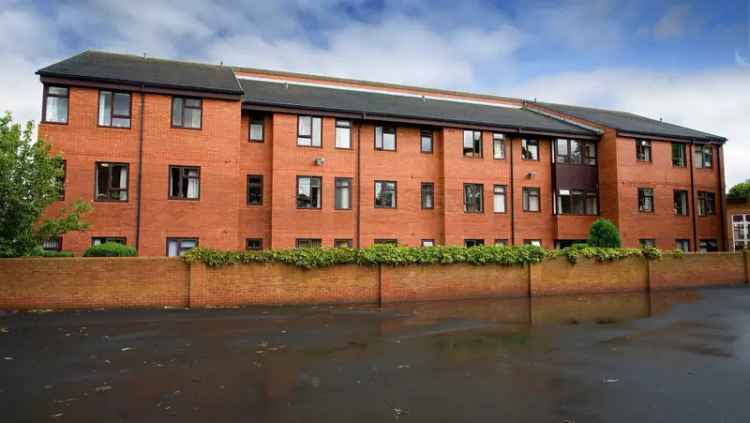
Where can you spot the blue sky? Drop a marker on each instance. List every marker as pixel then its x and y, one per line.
pixel 685 61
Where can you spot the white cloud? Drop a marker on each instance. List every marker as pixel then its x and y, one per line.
pixel 674 23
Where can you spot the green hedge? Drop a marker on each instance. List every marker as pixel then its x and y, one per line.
pixel 395 255
pixel 110 249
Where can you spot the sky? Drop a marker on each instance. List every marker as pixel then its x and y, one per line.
pixel 687 62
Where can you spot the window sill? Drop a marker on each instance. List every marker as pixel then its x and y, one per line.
pixel 54 123
pixel 319 147
pixel 111 201
pixel 192 200
pixel 188 128
pixel 113 127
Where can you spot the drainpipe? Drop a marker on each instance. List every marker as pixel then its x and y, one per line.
pixel 140 171
pixel 692 196
pixel 512 200
pixel 724 244
pixel 359 181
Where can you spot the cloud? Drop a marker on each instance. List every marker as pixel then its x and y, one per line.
pixel 674 23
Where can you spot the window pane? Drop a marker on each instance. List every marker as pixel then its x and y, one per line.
pixel 305 126
pixel 389 139
pixel 426 141
pixel 254 190
pixel 193 183
pixel 499 199
pixel 427 196
pixel 562 151
pixel 172 248
pixel 57 110
pixel 177 111
pixel 590 149
pixel 105 108
pixel 193 102
pixel 473 198
pixel 498 146
pixel 578 202
pixel 192 118
pixel 575 152
pixel 122 104
pixel 343 193
pixel 343 137
pixel 378 137
pixel 61 91
pixel 592 206
pixel 256 128
pixel 316 131
pixel 315 192
pixel 174 182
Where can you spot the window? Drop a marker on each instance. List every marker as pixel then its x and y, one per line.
pixel 52 244
pixel 682 245
pixel 425 136
pixel 309 131
pixel 473 243
pixel 343 200
pixel 498 146
pixel 254 244
pixel 643 150
pixel 530 149
pixel 179 246
pixel 534 242
pixel 680 202
pixel 342 243
pixel 575 152
pixel 104 239
pixel 572 201
pixel 254 190
pixel 530 199
pixel 501 243
pixel 114 109
pixel 704 156
pixel 55 104
pixel 646 200
pixel 187 112
pixel 385 138
pixel 498 198
pixel 741 231
pixel 678 154
pixel 706 203
pixel 428 243
pixel 592 203
pixel 256 128
pixel 343 134
pixel 388 241
pixel 184 183
pixel 649 242
pixel 61 180
pixel 111 181
pixel 708 245
pixel 567 243
pixel 308 192
pixel 472 143
pixel 308 243
pixel 428 195
pixel 473 198
pixel 385 194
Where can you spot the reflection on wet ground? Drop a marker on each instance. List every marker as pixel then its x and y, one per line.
pixel 669 356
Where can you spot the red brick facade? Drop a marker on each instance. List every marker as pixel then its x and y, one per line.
pixel 221 217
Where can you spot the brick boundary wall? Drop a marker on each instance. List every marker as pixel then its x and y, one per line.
pixel 80 283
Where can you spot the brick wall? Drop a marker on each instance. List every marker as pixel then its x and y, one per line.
pixel 557 276
pixel 699 270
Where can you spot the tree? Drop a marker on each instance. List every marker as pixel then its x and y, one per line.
pixel 604 233
pixel 740 191
pixel 30 180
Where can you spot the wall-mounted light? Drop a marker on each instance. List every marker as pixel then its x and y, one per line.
pixel 320 161
pixel 531 174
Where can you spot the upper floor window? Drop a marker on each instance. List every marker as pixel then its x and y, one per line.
pixel 257 128
pixel 179 246
pixel 575 152
pixel 531 199
pixel 111 239
pixel 643 150
pixel 111 181
pixel 473 198
pixel 572 201
pixel 706 203
pixel 385 138
pixel 187 112
pixel 309 131
pixel 255 190
pixel 472 143
pixel 498 146
pixel 530 149
pixel 309 192
pixel 114 109
pixel 680 202
pixel 55 106
pixel 343 134
pixel 425 141
pixel 184 182
pixel 646 200
pixel 498 198
pixel 343 200
pixel 385 194
pixel 678 154
pixel 704 156
pixel 428 195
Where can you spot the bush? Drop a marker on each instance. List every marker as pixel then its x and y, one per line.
pixel 740 191
pixel 55 254
pixel 110 249
pixel 604 234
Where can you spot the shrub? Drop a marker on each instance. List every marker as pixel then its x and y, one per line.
pixel 607 254
pixel 110 249
pixel 55 254
pixel 740 191
pixel 604 234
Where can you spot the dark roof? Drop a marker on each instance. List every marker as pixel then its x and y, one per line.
pixel 629 122
pixel 375 105
pixel 136 70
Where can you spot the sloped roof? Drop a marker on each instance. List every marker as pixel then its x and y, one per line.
pixel 374 105
pixel 629 122
pixel 136 70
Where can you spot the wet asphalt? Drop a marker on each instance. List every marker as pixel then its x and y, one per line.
pixel 681 356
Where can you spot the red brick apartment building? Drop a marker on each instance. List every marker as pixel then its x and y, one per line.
pixel 176 154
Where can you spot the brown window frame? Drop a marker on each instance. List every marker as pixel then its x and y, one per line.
pixel 336 187
pixel 680 240
pixel 382 132
pixel 179 241
pixel 430 240
pixel 687 202
pixel 585 159
pixel 422 187
pixel 182 111
pixel 375 194
pixel 532 241
pixel 112 114
pixel 312 130
pixel 703 201
pixel 478 242
pixel 340 125
pixel 59 241
pixel 525 204
pixel 505 198
pixel 474 153
pixel 500 242
pixel 701 149
pixel 46 95
pixel 481 199
pixel 348 241
pixel 104 239
pixel 583 195
pixel 642 196
pixel 247 191
pixel 497 136
pixel 182 169
pixel 708 241
pixel 647 242
pixel 641 147
pixel 424 134
pixel 529 142
pixel 249 240
pixel 320 199
pixel 683 148
pixel 250 124
pixel 110 189
pixel 385 241
pixel 318 241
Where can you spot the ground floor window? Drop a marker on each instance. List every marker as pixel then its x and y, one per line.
pixel 254 244
pixel 566 243
pixel 708 245
pixel 104 239
pixel 308 243
pixel 428 242
pixel 52 244
pixel 741 231
pixel 473 242
pixel 534 242
pixel 342 243
pixel 501 243
pixel 682 245
pixel 648 242
pixel 179 246
pixel 388 241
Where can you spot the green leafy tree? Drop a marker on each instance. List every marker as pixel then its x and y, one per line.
pixel 29 182
pixel 740 191
pixel 604 233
